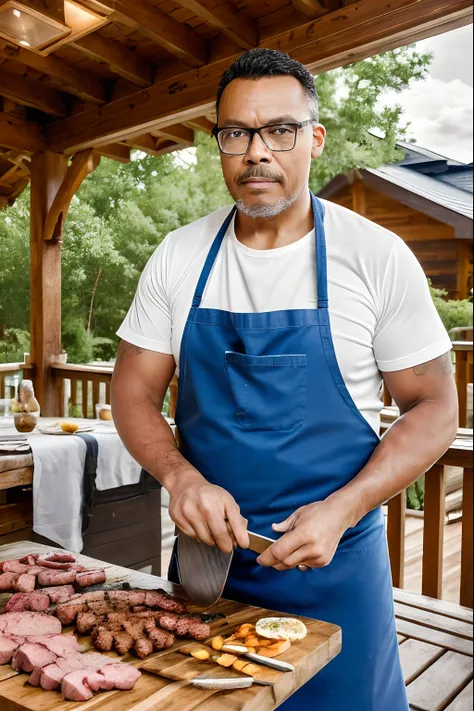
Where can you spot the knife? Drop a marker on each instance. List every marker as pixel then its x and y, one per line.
pixel 203 569
pixel 203 682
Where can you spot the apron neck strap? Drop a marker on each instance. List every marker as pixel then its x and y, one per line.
pixel 321 264
pixel 211 258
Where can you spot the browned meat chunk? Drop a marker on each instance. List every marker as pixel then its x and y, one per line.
pixel 7 581
pixel 139 608
pixel 7 647
pixel 123 642
pixel 25 583
pixel 191 627
pixel 143 647
pixel 33 601
pixel 168 621
pixel 29 655
pixel 103 639
pixel 56 577
pixel 60 593
pixel 161 639
pixel 165 602
pixel 90 577
pixel 68 611
pixel 130 597
pixel 24 624
pixel 86 622
pixel 14 566
pixel 57 561
pixel 101 607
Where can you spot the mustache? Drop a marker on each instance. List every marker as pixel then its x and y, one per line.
pixel 258 172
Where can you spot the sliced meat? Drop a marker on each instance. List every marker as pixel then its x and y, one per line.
pixel 101 607
pixel 7 647
pixel 25 624
pixel 161 639
pixel 165 602
pixel 102 639
pixel 56 577
pixel 33 601
pixel 58 561
pixel 198 630
pixel 131 597
pixel 68 611
pixel 53 674
pixel 30 655
pixel 60 593
pixel 86 622
pixel 123 642
pixel 168 621
pixel 29 559
pixel 121 676
pixel 143 647
pixel 35 677
pixel 75 687
pixel 35 569
pixel 60 644
pixel 90 577
pixel 60 557
pixel 14 566
pixel 25 583
pixel 7 581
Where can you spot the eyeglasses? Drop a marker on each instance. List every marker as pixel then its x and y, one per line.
pixel 236 141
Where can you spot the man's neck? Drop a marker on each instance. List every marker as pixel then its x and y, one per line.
pixel 286 228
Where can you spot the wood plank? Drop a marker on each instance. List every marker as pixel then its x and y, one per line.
pixel 178 133
pixel 35 94
pixel 17 134
pixel 463 702
pixel 115 151
pixel 436 637
pixel 441 607
pixel 16 477
pixel 440 682
pixel 396 537
pixel 416 656
pixel 331 41
pixel 47 174
pixel 462 379
pixel 433 532
pixel 434 621
pixel 68 77
pixel 239 29
pixel 309 8
pixel 122 61
pixel 467 550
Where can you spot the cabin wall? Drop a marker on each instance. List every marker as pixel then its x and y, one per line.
pixel 445 259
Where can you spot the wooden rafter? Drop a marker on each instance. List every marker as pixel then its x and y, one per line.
pixel 35 94
pixel 201 124
pixel 115 151
pixel 72 80
pixel 21 135
pixel 309 8
pixel 242 31
pixel 122 61
pixel 176 38
pixel 357 31
pixel 179 133
pixel 81 166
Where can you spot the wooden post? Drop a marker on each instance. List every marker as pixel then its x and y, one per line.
pixel 359 203
pixel 396 537
pixel 433 532
pixel 48 171
pixel 467 540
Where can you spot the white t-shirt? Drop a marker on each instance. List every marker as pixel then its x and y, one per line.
pixel 382 314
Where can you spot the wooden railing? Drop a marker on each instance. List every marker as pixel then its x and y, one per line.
pixel 82 387
pixel 458 455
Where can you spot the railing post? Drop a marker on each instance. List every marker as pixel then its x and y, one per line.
pixel 461 384
pixel 396 537
pixel 467 540
pixel 85 390
pixel 433 532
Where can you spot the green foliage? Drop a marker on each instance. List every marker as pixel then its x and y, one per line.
pixel 14 343
pixel 452 312
pixel 416 495
pixel 123 211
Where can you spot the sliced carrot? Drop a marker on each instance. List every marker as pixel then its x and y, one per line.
pixel 251 669
pixel 239 664
pixel 200 654
pixel 226 660
pixel 276 649
pixel 262 642
pixel 244 630
pixel 217 643
pixel 251 641
pixel 252 650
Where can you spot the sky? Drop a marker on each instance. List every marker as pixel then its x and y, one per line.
pixel 440 109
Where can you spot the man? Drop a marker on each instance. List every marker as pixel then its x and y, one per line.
pixel 281 316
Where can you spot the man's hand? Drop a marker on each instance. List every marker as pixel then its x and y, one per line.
pixel 207 512
pixel 311 536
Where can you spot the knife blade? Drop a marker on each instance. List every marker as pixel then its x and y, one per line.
pixel 203 682
pixel 258 658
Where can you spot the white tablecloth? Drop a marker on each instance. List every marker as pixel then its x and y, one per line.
pixel 58 477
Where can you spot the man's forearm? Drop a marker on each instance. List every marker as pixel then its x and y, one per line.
pixel 409 448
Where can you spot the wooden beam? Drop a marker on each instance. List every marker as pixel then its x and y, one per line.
pixel 115 151
pixel 363 29
pixel 176 38
pixel 309 8
pixel 21 135
pixel 242 31
pixel 70 79
pixel 82 165
pixel 179 133
pixel 201 124
pixel 35 94
pixel 122 61
pixel 146 143
pixel 47 174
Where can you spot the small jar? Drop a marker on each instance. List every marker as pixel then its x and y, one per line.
pixel 26 421
pixel 104 413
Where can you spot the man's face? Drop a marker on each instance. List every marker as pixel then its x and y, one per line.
pixel 261 178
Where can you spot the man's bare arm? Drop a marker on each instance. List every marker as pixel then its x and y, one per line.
pixel 139 384
pixel 427 398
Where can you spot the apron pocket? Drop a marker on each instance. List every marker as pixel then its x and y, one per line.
pixel 269 391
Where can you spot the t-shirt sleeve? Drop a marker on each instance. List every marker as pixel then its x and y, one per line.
pixel 148 322
pixel 409 330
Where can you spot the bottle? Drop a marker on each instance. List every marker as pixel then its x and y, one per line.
pixel 26 408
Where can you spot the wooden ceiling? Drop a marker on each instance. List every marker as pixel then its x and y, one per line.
pixel 147 79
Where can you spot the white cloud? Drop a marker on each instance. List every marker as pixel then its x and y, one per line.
pixel 441 116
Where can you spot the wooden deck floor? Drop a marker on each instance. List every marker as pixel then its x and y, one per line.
pixel 414 549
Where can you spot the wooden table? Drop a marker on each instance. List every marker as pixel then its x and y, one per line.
pixel 154 693
pixel 436 639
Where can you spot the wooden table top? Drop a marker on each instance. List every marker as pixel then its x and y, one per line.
pixel 155 693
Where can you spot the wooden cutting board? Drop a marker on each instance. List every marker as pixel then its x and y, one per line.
pixel 155 693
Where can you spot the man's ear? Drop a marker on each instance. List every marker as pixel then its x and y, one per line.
pixel 319 139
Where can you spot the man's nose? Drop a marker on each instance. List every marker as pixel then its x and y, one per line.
pixel 258 151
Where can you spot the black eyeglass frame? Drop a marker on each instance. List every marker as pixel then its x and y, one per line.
pixel 252 131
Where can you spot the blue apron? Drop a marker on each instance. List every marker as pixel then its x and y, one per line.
pixel 263 411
